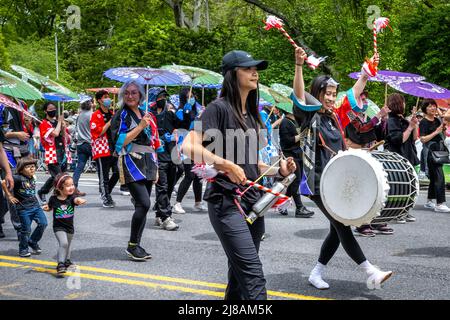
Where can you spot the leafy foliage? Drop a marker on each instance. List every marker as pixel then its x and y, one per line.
pixel 144 33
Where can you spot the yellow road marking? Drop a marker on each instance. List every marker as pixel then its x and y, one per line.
pixel 145 276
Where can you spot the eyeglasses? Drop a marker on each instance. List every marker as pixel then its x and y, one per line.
pixel 132 93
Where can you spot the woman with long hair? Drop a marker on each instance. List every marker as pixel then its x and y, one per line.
pixel 325 138
pixel 234 123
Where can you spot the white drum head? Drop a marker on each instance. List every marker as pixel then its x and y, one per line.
pixel 354 187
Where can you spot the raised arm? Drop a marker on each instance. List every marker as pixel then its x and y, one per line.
pixel 359 86
pixel 299 83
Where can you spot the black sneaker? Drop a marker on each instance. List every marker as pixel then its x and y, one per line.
pixel 68 263
pixel 303 212
pixel 147 255
pixel 108 203
pixel 61 268
pixel 136 253
pixel 24 253
pixel 35 247
pixel 41 197
pixel 283 212
pixel 2 235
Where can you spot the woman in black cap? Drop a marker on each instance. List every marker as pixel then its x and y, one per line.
pixel 225 120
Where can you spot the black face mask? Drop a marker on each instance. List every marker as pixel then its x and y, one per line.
pixel 52 113
pixel 160 104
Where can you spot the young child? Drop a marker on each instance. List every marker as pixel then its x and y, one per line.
pixel 27 206
pixel 63 204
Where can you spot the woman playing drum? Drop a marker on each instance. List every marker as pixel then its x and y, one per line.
pixel 324 138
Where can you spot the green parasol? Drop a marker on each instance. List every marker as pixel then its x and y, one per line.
pixel 265 94
pixel 12 86
pixel 44 82
pixel 201 78
pixel 282 89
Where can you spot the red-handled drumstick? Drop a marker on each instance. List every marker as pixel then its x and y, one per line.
pixel 209 172
pixel 274 22
pixel 378 25
pixel 265 189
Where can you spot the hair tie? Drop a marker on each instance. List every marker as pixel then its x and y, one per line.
pixel 60 179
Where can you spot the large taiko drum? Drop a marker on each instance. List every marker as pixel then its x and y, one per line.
pixel 359 187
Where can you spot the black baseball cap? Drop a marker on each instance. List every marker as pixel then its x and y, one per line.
pixel 238 58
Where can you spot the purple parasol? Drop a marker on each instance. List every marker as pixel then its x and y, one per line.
pixel 421 89
pixel 390 76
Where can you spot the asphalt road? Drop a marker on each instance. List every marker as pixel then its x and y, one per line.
pixel 190 263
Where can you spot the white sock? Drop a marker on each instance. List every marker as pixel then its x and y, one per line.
pixel 315 278
pixel 319 269
pixel 368 267
pixel 376 276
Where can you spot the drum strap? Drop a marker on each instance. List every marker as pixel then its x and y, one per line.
pixel 340 129
pixel 323 144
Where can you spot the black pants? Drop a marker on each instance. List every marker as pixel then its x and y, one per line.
pixel 240 242
pixel 54 170
pixel 164 187
pixel 190 177
pixel 5 207
pixel 292 190
pixel 436 189
pixel 107 183
pixel 140 191
pixel 338 234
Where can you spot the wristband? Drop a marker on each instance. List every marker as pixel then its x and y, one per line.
pixel 279 175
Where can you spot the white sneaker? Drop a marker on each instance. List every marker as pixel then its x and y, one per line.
pixel 377 277
pixel 429 205
pixel 401 220
pixel 177 208
pixel 317 281
pixel 199 207
pixel 422 176
pixel 169 224
pixel 442 208
pixel 125 193
pixel 158 222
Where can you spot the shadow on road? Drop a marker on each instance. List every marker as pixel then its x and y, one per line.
pixel 427 252
pixel 316 234
pixel 339 289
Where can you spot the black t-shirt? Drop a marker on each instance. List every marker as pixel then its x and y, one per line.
pixel 332 137
pixel 63 211
pixel 59 142
pixel 361 138
pixel 288 130
pixel 25 192
pixel 427 127
pixel 396 126
pixel 167 122
pixel 106 117
pixel 216 120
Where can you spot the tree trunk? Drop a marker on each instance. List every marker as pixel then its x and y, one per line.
pixel 177 7
pixel 196 15
pixel 207 15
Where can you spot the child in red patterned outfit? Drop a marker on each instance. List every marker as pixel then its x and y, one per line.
pixel 54 139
